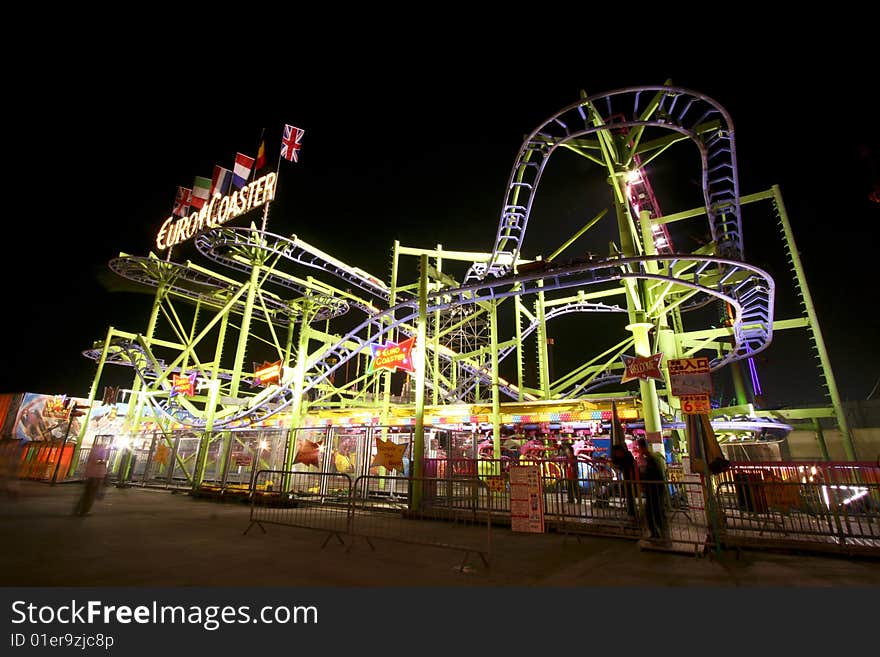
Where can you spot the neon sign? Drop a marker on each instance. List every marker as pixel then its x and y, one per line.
pixel 392 355
pixel 267 373
pixel 183 385
pixel 217 211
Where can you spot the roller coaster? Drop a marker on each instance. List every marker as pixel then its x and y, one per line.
pixel 322 318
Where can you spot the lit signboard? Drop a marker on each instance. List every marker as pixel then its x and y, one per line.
pixel 393 355
pixel 217 211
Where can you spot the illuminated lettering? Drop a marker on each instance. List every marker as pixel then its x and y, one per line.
pixel 160 238
pixel 243 196
pixel 271 180
pixel 224 210
pixel 212 218
pixel 217 211
pixel 256 196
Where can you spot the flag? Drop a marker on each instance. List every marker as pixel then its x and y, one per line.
pixel 261 156
pixel 703 448
pixel 220 181
pixel 182 201
pixel 201 192
pixel 290 143
pixel 242 170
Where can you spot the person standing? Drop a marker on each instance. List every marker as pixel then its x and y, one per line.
pixel 623 460
pixel 96 473
pixel 571 474
pixel 654 484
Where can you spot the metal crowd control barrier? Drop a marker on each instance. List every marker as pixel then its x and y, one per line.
pixel 310 500
pixel 376 507
pixel 463 500
pixel 762 510
pixel 614 507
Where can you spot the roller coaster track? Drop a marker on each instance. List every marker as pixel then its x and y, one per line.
pixel 751 327
pixel 671 108
pixel 747 289
pixel 197 285
pixel 234 248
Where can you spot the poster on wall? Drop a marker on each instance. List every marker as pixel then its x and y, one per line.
pixel 38 418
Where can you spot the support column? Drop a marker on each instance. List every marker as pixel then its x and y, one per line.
pixel 520 362
pixel 818 340
pixel 420 363
pixel 135 410
pixel 543 359
pixel 496 396
pixel 298 378
pixel 386 375
pixel 739 384
pixel 820 438
pixel 92 394
pixel 647 387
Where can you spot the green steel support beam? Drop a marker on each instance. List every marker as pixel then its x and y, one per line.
pixel 818 340
pixel 244 331
pixel 496 395
pixel 820 438
pixel 520 363
pixel 543 356
pixel 93 392
pixel 592 222
pixel 420 362
pixel 135 410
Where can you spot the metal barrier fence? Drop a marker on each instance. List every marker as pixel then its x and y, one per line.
pixel 742 512
pixel 464 501
pixel 295 499
pixel 830 507
pixel 674 513
pixel 836 517
pixel 374 507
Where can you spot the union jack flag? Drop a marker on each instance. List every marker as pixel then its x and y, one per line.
pixel 290 143
pixel 182 201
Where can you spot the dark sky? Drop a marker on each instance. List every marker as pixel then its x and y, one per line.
pixel 416 148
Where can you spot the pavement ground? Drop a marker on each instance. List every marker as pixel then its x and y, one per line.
pixel 140 537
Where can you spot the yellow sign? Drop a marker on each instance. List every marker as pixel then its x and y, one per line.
pixel 389 455
pixel 695 404
pixel 495 484
pixel 267 373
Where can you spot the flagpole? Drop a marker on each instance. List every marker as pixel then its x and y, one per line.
pixel 168 253
pixel 254 172
pixel 277 176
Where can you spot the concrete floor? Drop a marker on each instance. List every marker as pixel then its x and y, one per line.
pixel 137 537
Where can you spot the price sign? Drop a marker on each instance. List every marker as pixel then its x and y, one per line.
pixel 695 404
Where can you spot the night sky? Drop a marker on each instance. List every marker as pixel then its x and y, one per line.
pixel 417 149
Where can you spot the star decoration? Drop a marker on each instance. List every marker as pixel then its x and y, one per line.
pixel 389 455
pixel 308 453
